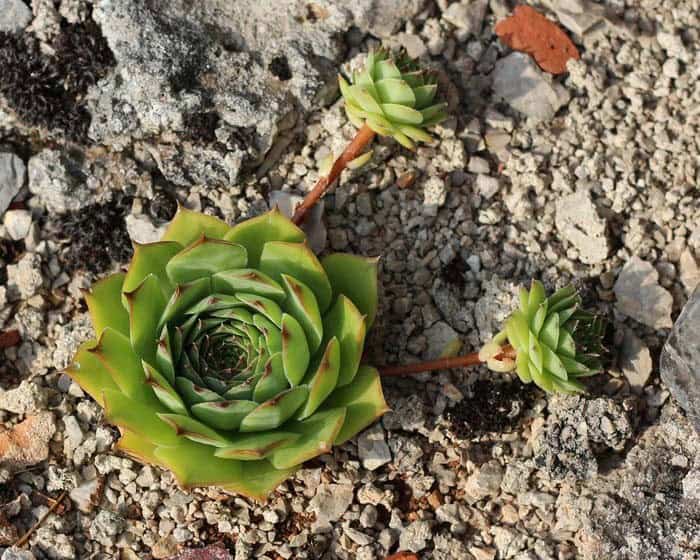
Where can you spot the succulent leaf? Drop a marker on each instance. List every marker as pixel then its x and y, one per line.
pixel 231 355
pixel 356 278
pixel 188 226
pixel 105 304
pixel 253 234
pixel 391 93
pixel 555 342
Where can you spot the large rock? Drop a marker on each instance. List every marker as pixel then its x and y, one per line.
pixel 58 181
pixel 579 223
pixel 15 15
pixel 519 82
pixel 641 509
pixel 209 90
pixel 680 359
pixel 640 296
pixel 12 173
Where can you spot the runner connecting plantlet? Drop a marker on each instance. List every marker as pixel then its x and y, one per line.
pixel 390 96
pixel 548 340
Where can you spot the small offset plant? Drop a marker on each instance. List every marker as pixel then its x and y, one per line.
pixel 390 96
pixel 231 355
pixel 550 341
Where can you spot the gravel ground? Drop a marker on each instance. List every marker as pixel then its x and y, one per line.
pixel 591 177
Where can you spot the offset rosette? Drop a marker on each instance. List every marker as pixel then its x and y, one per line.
pixel 231 355
pixel 556 343
pixel 395 97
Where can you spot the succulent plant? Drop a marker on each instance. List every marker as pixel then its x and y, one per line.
pixel 394 97
pixel 555 342
pixel 231 355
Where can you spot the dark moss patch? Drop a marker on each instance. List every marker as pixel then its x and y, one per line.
pixel 96 236
pixel 48 90
pixel 453 272
pixel 163 206
pixel 493 407
pixel 201 126
pixel 279 67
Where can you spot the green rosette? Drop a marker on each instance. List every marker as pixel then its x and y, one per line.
pixel 395 97
pixel 231 355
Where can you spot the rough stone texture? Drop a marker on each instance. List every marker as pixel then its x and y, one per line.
pixel 640 296
pixel 689 270
pixel 519 82
pixel 12 174
pixel 25 277
pixel 381 17
pixel 576 431
pixel 26 398
pixel 680 359
pixel 467 16
pixel 640 511
pixel 635 361
pixel 372 448
pixel 58 181
pixel 330 502
pixel 15 15
pixel 579 223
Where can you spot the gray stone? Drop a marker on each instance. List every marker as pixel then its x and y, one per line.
pixel 14 553
pixel 142 229
pixel 516 478
pixel 15 15
pixel 635 361
pixel 28 397
pixel 487 186
pixel 243 70
pixel 640 296
pixel 467 16
pixel 639 508
pixel 12 174
pixel 372 448
pixel 106 526
pixel 434 194
pixel 58 181
pixel 519 82
pixel 25 277
pixel 579 223
pixel 578 16
pixel 680 359
pixel 88 495
pixel 382 17
pixel 691 485
pixel 17 224
pixel 576 431
pixel 416 536
pixel 73 435
pixel 443 341
pixel 689 270
pixel 330 503
pixel 486 481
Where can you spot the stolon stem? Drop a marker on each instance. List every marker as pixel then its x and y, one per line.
pixel 362 139
pixel 467 360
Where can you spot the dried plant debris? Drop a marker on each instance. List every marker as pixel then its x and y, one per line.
pixel 529 31
pixel 96 235
pixel 48 91
pixel 492 407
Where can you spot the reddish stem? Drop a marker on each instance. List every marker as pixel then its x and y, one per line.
pixel 361 140
pixel 442 363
